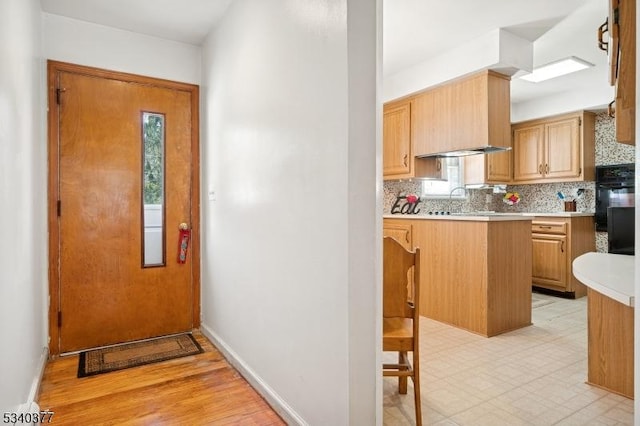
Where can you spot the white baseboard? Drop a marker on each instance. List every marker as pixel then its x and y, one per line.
pixel 29 408
pixel 37 378
pixel 26 412
pixel 273 399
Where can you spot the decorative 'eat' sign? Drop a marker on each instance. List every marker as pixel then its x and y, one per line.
pixel 406 204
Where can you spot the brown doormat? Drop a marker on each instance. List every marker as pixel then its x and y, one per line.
pixel 129 355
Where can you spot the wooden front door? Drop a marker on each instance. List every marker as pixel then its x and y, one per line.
pixel 123 159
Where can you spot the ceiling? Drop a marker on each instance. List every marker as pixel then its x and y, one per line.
pixel 414 31
pixel 187 21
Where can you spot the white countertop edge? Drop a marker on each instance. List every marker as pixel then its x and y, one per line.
pixel 495 214
pixel 612 275
pixel 560 214
pixel 473 218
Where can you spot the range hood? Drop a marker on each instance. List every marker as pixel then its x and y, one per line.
pixel 469 151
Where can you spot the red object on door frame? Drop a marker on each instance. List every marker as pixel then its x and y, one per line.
pixel 183 245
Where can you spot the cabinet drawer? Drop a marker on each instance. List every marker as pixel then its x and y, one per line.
pixel 542 227
pixel 399 232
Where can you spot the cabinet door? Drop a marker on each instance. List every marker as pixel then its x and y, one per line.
pixel 528 153
pixel 499 167
pixel 399 232
pixel 549 260
pixel 396 139
pixel 488 168
pixel 431 122
pixel 403 234
pixel 562 148
pixel 626 82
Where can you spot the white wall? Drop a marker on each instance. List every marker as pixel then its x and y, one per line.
pixel 290 287
pixel 596 98
pixel 84 43
pixel 498 50
pixel 23 167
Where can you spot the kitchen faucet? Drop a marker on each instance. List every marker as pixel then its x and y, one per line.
pixel 453 190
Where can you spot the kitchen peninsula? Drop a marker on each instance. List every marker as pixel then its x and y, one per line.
pixel 475 270
pixel 610 279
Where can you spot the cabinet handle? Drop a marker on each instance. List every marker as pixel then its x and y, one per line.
pixel 406 236
pixel 438 164
pixel 603 45
pixel 546 169
pixel 404 160
pixel 611 109
pixel 545 227
pixel 539 169
pixel 562 246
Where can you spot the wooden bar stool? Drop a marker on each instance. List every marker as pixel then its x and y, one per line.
pixel 400 322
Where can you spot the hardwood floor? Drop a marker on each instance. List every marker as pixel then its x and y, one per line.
pixel 196 390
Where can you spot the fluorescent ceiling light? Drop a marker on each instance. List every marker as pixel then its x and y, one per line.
pixel 556 69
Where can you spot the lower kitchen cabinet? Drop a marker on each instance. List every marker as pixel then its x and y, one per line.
pixel 557 241
pixel 402 232
pixel 549 260
pixel 475 274
pixel 399 231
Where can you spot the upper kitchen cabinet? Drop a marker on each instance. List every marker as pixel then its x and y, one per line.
pixel 398 156
pixel 621 49
pixel 463 114
pixel 397 149
pixel 488 168
pixel 555 149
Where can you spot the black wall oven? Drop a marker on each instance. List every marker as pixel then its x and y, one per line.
pixel 615 206
pixel 615 187
pixel 621 230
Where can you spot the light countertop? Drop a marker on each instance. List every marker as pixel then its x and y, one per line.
pixel 559 214
pixel 492 217
pixel 486 216
pixel 612 275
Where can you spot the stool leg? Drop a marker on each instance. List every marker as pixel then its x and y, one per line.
pixel 416 389
pixel 402 380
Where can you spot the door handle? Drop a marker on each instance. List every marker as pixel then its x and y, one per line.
pixel 603 45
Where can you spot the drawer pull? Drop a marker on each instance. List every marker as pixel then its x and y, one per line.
pixel 545 227
pixel 404 160
pixel 611 109
pixel 562 246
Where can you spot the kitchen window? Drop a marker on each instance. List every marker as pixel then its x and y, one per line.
pixel 442 188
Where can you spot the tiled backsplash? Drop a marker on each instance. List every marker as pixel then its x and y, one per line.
pixel 534 197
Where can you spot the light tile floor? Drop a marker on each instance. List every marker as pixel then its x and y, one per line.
pixel 532 376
